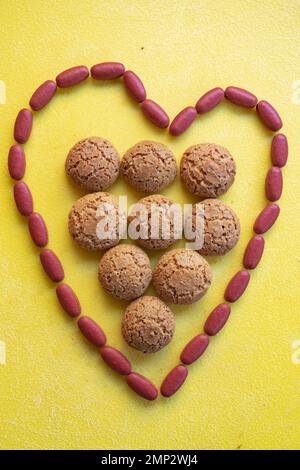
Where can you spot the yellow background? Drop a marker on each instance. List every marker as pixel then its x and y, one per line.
pixel 55 392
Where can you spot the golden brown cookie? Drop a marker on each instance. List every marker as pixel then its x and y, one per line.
pixel 157 229
pixel 93 163
pixel 125 272
pixel 148 324
pixel 181 276
pixel 149 166
pixel 207 170
pixel 94 221
pixel 221 228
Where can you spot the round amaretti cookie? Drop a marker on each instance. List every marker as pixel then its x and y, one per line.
pixel 207 170
pixel 148 324
pixel 94 221
pixel 125 272
pixel 155 222
pixel 93 163
pixel 181 276
pixel 220 228
pixel 149 166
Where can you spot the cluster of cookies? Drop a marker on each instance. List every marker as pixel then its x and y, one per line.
pixel 181 276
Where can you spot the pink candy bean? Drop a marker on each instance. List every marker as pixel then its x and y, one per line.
pixel 217 319
pixel 194 349
pixel 23 126
pixel 155 113
pixel 116 360
pixel 269 116
pixel 134 86
pixel 209 100
pixel 68 300
pixel 174 380
pixel 23 198
pixel 72 76
pixel 42 95
pixel 92 331
pixel 38 229
pixel 52 266
pixel 266 218
pixel 279 150
pixel 142 386
pixel 237 286
pixel 274 184
pixel 240 97
pixel 254 252
pixel 183 120
pixel 16 162
pixel 107 70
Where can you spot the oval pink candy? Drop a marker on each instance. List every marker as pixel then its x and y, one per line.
pixel 52 266
pixel 254 252
pixel 142 386
pixel 92 331
pixel 38 229
pixel 174 380
pixel 194 349
pixel 68 300
pixel 266 218
pixel 240 97
pixel 107 70
pixel 43 94
pixel 274 184
pixel 279 150
pixel 209 100
pixel 269 115
pixel 72 76
pixel 217 319
pixel 23 198
pixel 155 113
pixel 23 126
pixel 183 120
pixel 237 286
pixel 16 162
pixel 134 86
pixel 116 360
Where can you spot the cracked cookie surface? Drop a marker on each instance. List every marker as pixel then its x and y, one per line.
pixel 221 227
pixel 182 276
pixel 149 166
pixel 85 216
pixel 125 272
pixel 207 170
pixel 157 229
pixel 148 324
pixel 93 163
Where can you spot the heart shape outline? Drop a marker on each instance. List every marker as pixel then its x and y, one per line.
pixel 237 285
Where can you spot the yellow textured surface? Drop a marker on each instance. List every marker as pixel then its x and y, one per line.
pixel 55 391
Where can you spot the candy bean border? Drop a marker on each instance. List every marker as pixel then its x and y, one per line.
pixel 172 126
